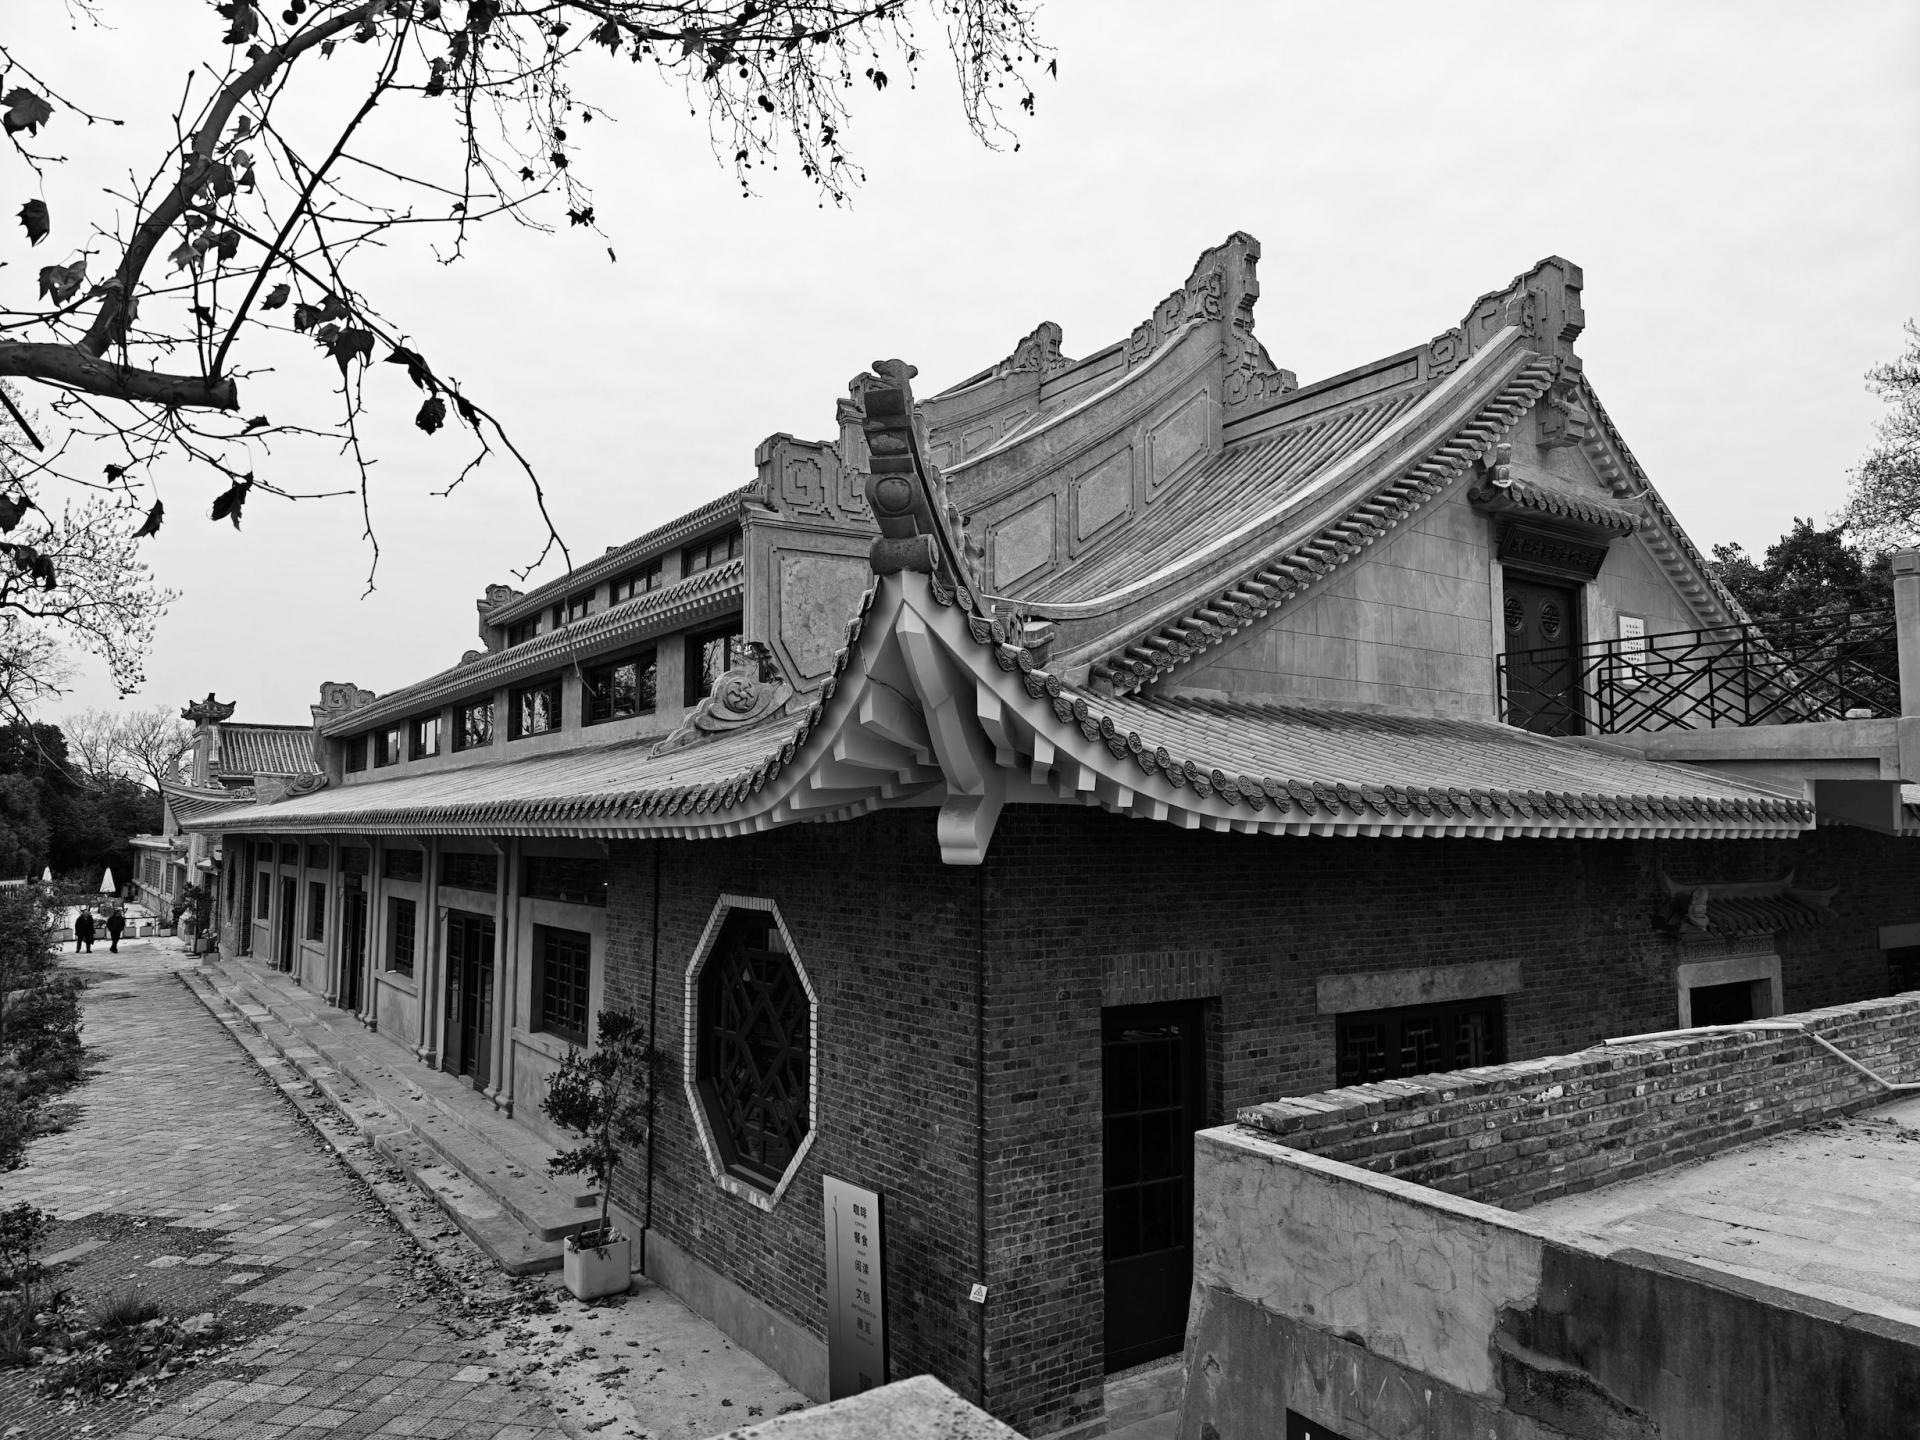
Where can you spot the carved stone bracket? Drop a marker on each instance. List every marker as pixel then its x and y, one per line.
pixel 337 698
pixel 305 785
pixel 750 691
pixel 1039 353
pixel 1563 418
pixel 496 596
pixel 1544 303
pixel 920 527
pixel 1223 286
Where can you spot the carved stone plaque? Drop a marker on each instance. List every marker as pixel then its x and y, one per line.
pixel 1534 547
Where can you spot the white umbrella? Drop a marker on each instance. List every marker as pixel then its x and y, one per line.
pixel 46 876
pixel 106 883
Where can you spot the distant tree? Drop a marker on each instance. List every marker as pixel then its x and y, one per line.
pixel 50 816
pixel 1808 571
pixel 146 745
pixel 1885 503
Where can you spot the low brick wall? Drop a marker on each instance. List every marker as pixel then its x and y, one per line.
pixel 1516 1135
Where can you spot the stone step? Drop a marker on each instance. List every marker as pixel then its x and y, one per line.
pixel 353 1069
pixel 289 1058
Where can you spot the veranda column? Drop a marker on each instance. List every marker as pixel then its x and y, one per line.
pixel 506 933
pixel 376 932
pixel 1906 613
pixel 430 947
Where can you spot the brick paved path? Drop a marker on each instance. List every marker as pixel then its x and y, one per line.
pixel 183 1139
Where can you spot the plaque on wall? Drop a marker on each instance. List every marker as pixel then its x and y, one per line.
pixel 1551 552
pixel 856 1320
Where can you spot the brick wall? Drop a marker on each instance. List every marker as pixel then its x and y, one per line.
pixel 1522 1133
pixel 1075 909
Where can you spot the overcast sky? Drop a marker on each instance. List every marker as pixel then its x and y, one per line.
pixel 1738 181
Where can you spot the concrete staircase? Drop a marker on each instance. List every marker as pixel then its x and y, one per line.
pixel 487 1173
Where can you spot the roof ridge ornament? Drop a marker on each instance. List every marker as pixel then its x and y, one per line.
pixel 751 690
pixel 1222 286
pixel 1543 302
pixel 920 527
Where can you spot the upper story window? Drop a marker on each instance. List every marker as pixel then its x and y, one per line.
pixel 423 737
pixel 353 751
pixel 386 746
pixel 466 870
pixel 534 710
pixel 648 577
pixel 715 550
pixel 621 688
pixel 522 631
pixel 289 853
pixel 574 607
pixel 398 864
pixel 473 724
pixel 710 654
pixel 318 857
pixel 570 879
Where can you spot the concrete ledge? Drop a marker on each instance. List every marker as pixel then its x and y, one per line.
pixel 917 1409
pixel 793 1351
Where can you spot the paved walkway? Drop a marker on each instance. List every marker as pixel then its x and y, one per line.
pixel 222 1187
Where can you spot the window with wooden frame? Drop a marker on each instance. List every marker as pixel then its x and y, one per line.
pixel 569 879
pixel 1419 1039
pixel 423 737
pixel 754 1042
pixel 522 631
pixel 386 746
pixel 562 972
pixel 473 724
pixel 318 857
pixel 353 753
pixel 263 896
pixel 619 689
pixel 400 921
pixel 710 654
pixel 534 710
pixel 289 853
pixel 574 607
pixel 316 910
pixel 401 864
pixel 714 550
pixel 634 583
pixel 468 870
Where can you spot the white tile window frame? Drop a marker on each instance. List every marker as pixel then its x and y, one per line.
pixel 690 1054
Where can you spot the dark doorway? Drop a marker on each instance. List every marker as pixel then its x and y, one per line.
pixel 1903 969
pixel 469 996
pixel 1301 1428
pixel 1730 1004
pixel 289 898
pixel 1153 1076
pixel 353 943
pixel 1542 634
pixel 243 931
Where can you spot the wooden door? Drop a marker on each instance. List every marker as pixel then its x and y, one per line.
pixel 468 1048
pixel 1542 636
pixel 1153 1079
pixel 289 900
pixel 353 945
pixel 243 932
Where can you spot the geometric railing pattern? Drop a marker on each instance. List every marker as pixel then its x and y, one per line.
pixel 1818 668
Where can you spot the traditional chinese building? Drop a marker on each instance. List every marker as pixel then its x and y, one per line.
pixel 1185 736
pixel 228 765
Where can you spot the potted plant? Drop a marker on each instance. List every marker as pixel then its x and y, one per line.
pixel 601 1096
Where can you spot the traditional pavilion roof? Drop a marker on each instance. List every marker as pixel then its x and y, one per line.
pixel 190 802
pixel 249 750
pixel 927 706
pixel 951 697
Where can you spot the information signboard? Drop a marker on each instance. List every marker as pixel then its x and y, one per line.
pixel 856 1320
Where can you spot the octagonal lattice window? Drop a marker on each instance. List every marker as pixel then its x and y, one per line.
pixel 750 1050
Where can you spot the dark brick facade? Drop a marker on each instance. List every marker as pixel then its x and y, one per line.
pixel 1075 907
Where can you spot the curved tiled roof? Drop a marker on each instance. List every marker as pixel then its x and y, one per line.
pixel 1558 505
pixel 710 592
pixel 191 802
pixel 1272 768
pixel 248 750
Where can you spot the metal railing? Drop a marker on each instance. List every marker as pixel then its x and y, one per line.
pixel 1784 672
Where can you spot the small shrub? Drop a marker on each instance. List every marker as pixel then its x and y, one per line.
pixel 602 1097
pixel 122 1311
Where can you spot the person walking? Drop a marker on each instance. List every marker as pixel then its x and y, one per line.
pixel 116 922
pixel 83 931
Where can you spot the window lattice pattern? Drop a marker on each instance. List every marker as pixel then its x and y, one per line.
pixel 755 1039
pixel 1419 1040
pixel 565 964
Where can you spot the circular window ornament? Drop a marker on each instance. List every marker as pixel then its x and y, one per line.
pixel 748 1056
pixel 1550 621
pixel 1516 615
